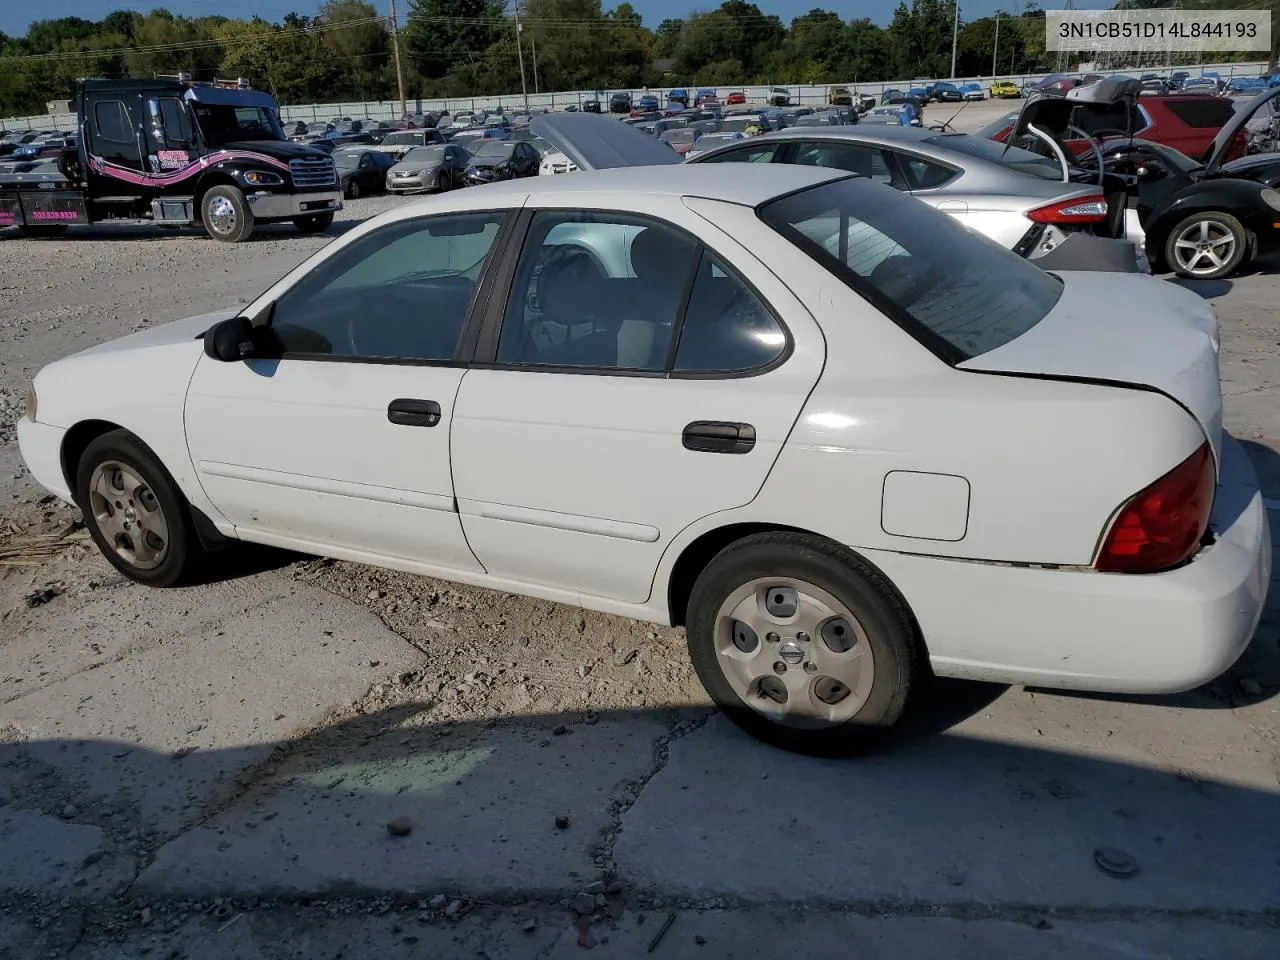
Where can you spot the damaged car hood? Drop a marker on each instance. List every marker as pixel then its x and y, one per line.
pixel 595 142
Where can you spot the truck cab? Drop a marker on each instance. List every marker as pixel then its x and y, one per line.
pixel 178 153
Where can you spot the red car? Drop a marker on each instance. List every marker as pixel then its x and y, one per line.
pixel 1188 122
pixel 735 98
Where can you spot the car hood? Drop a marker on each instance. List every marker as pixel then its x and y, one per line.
pixel 597 143
pixel 1222 142
pixel 1151 334
pixel 486 163
pixel 285 150
pixel 426 166
pixel 165 334
pixel 1253 167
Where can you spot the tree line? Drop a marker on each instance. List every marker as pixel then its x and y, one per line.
pixel 458 48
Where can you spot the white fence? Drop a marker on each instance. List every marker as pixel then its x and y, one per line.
pixel 801 94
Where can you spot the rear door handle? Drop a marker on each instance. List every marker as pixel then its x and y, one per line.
pixel 719 436
pixel 414 413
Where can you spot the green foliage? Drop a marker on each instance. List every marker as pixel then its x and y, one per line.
pixel 463 48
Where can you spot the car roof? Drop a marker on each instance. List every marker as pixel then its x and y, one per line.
pixel 751 185
pixel 908 134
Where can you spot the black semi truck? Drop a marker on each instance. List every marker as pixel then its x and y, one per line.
pixel 174 152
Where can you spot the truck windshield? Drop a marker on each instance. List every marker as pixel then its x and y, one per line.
pixel 225 124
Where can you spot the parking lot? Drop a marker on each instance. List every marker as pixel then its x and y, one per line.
pixel 316 759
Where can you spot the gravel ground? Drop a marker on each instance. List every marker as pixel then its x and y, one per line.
pixel 317 759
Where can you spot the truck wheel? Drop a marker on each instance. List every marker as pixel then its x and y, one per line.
pixel 226 214
pixel 316 223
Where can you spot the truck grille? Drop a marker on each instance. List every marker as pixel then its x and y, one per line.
pixel 313 172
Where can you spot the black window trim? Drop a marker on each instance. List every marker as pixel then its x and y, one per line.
pixel 901 155
pixel 486 349
pixel 935 343
pixel 465 347
pixel 891 156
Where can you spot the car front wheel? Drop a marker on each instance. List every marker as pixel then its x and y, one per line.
pixel 802 643
pixel 1206 246
pixel 226 214
pixel 135 512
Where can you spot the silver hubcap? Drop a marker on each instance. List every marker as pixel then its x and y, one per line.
pixel 222 215
pixel 1204 247
pixel 129 515
pixel 794 653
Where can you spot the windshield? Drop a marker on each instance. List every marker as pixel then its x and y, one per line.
pixel 222 124
pixel 740 124
pixel 958 293
pixel 423 155
pixel 1015 158
pixel 495 150
pixel 713 140
pixel 346 161
pixel 391 139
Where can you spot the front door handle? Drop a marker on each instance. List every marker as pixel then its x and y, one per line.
pixel 414 413
pixel 719 436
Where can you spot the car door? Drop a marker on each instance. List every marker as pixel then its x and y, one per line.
pixel 114 128
pixel 603 416
pixel 339 435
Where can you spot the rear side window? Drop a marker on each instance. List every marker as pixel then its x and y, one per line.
pixel 958 293
pixel 1202 114
pixel 112 121
pixel 763 153
pixel 726 326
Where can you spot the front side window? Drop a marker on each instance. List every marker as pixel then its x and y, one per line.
pixel 177 124
pixel 958 293
pixel 596 290
pixel 400 293
pixel 112 121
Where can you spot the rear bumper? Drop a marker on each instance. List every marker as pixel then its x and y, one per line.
pixel 1078 629
pixel 41 448
pixel 285 206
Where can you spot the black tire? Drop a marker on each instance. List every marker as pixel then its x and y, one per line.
pixel 352 190
pixel 43 231
pixel 183 556
pixel 879 610
pixel 229 227
pixel 316 223
pixel 1218 225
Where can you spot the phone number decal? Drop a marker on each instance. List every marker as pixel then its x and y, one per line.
pixel 1158 30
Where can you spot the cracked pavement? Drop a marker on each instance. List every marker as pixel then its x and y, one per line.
pixel 210 772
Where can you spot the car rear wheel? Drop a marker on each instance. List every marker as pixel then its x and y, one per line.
pixel 1206 245
pixel 802 643
pixel 353 190
pixel 226 214
pixel 135 512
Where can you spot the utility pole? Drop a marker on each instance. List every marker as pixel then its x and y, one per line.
pixel 395 42
pixel 955 36
pixel 520 55
pixel 533 44
pixel 996 48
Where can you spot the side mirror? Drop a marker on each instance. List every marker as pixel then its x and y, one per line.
pixel 230 340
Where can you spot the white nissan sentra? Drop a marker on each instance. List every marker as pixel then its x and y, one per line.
pixel 832 433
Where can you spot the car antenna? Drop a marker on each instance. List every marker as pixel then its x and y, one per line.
pixel 945 126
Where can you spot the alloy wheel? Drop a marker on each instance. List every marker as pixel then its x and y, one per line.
pixel 1204 247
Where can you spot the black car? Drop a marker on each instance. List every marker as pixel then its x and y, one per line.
pixel 1178 78
pixel 1201 220
pixel 362 171
pixel 503 160
pixel 620 103
pixel 591 106
pixel 945 93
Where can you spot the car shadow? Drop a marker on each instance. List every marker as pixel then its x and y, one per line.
pixel 1209 289
pixel 398 804
pixel 153 233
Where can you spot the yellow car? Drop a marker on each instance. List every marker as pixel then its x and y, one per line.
pixel 1005 89
pixel 840 97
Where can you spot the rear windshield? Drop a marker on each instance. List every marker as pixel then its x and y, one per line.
pixel 1015 158
pixel 1202 114
pixel 958 293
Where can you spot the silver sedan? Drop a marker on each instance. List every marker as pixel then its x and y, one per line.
pixel 435 167
pixel 1013 196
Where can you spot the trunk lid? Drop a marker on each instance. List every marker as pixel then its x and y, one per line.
pixel 1129 330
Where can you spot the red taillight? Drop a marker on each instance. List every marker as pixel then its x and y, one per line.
pixel 1079 210
pixel 1162 526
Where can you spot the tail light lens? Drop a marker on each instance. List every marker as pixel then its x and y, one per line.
pixel 1161 526
pixel 1078 210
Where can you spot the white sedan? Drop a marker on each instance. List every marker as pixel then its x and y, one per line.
pixel 837 436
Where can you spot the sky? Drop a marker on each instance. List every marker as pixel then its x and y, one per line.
pixel 15 15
